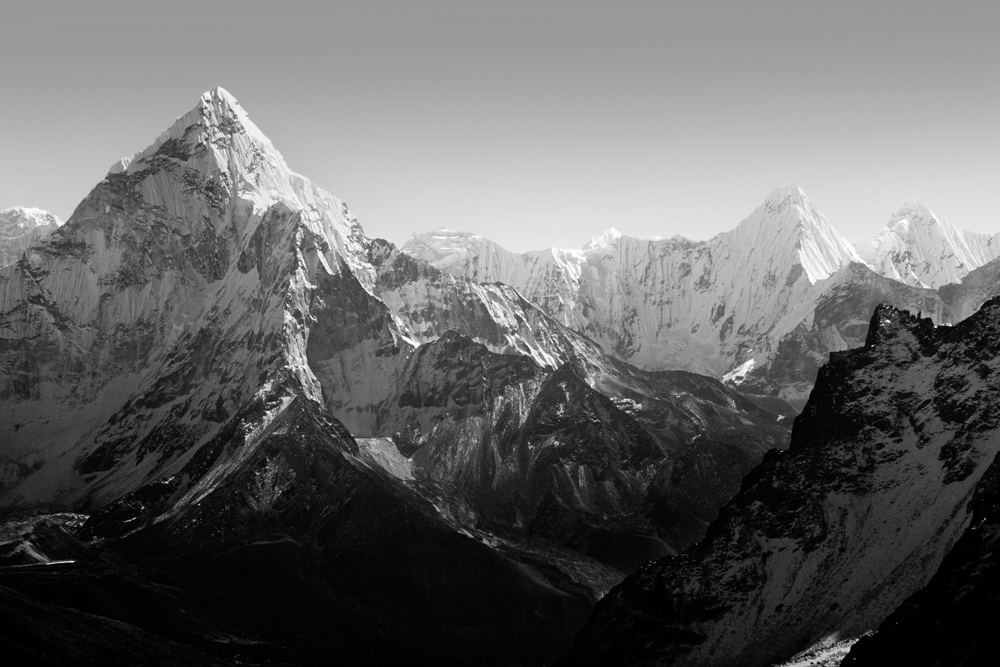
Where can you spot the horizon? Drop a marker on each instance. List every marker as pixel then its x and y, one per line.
pixel 534 126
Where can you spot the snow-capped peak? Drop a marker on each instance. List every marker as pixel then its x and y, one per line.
pixel 605 240
pixel 217 113
pixel 790 193
pixel 913 209
pixel 922 249
pixel 788 225
pixel 27 217
pixel 20 228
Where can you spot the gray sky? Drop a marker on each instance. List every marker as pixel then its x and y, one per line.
pixel 533 123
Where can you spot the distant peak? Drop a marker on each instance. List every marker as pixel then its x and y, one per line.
pixel 792 193
pixel 605 240
pixel 27 214
pixel 913 210
pixel 220 93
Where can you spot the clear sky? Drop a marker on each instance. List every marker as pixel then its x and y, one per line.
pixel 535 123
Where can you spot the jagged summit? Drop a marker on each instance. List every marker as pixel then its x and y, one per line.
pixel 922 249
pixel 217 111
pixel 788 225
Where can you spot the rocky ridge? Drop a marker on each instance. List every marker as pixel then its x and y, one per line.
pixel 825 540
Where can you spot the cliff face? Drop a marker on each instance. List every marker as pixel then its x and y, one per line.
pixel 826 539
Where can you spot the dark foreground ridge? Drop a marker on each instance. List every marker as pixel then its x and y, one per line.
pixel 826 539
pixel 294 553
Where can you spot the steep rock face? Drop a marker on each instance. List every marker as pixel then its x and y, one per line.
pixel 589 454
pixel 921 249
pixel 826 539
pixel 21 228
pixel 952 621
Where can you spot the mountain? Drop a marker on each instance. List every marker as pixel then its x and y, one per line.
pixel 20 228
pixel 196 274
pixel 609 460
pixel 761 306
pixel 174 360
pixel 665 304
pixel 176 292
pixel 921 249
pixel 216 368
pixel 825 540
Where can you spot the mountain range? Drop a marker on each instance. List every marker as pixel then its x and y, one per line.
pixel 761 306
pixel 236 429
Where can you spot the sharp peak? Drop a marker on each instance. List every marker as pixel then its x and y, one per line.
pixel 788 192
pixel 218 94
pixel 223 103
pixel 216 108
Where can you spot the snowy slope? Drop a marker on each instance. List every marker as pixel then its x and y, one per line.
pixel 922 249
pixel 20 228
